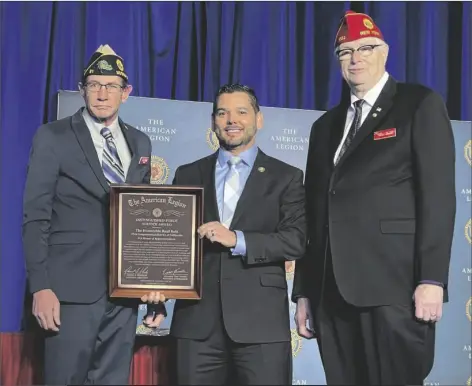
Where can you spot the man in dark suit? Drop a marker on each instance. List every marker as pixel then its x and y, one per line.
pixel 90 338
pixel 254 222
pixel 380 211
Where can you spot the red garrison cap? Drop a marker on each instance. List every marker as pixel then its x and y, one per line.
pixel 355 26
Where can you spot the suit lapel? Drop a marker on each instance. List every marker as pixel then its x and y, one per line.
pixel 85 141
pixel 133 148
pixel 258 177
pixel 374 119
pixel 207 175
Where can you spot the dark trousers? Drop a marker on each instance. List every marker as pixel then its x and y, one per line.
pixel 219 361
pixel 382 345
pixel 94 345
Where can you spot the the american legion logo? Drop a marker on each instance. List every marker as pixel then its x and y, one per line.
pixel 468 152
pixel 468 309
pixel 289 270
pixel 468 231
pixel 212 140
pixel 159 170
pixel 296 342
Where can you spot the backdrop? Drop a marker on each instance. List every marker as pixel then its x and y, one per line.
pixel 185 51
pixel 182 138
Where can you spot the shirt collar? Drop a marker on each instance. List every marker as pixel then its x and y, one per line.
pixel 247 156
pixel 93 124
pixel 372 95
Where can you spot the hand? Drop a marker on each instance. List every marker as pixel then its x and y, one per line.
pixel 154 318
pixel 302 315
pixel 46 309
pixel 428 302
pixel 217 232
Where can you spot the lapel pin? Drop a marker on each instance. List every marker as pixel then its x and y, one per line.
pixel 374 115
pixel 379 109
pixel 261 169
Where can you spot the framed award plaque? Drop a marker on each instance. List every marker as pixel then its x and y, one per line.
pixel 154 244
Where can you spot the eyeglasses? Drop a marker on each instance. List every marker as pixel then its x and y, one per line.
pixel 96 87
pixel 364 51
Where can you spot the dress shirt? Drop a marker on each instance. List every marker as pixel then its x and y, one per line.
pixel 99 141
pixel 244 168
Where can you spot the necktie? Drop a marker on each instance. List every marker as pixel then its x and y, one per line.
pixel 356 124
pixel 111 163
pixel 231 191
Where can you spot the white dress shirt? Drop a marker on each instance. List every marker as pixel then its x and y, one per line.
pixel 369 100
pixel 99 141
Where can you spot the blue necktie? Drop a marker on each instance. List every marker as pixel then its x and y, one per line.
pixel 111 163
pixel 231 191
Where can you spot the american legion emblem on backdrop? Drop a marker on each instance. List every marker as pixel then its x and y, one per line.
pixel 289 270
pixel 468 231
pixel 296 342
pixel 468 309
pixel 468 152
pixel 212 140
pixel 159 170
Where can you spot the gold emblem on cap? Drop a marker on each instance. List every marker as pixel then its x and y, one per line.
pixel 368 23
pixel 104 65
pixel 261 169
pixel 119 64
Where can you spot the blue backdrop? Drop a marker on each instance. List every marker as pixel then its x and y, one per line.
pixel 181 138
pixel 185 51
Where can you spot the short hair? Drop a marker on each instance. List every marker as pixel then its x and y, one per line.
pixel 236 87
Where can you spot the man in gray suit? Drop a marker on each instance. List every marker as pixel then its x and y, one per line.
pixel 89 337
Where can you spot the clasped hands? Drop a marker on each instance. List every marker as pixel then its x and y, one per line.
pixel 213 231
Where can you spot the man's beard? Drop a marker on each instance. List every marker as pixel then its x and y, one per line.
pixel 231 146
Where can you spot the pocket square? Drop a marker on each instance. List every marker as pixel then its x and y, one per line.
pixel 384 134
pixel 144 160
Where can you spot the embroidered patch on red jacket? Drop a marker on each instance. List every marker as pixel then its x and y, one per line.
pixel 144 160
pixel 384 134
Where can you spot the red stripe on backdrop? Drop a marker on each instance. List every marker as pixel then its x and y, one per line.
pixel 21 360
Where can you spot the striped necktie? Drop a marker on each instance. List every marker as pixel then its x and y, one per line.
pixel 111 163
pixel 231 191
pixel 355 126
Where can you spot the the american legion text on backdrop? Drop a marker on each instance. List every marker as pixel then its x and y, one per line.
pixel 180 133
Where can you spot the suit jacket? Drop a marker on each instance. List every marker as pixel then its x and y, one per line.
pixel 249 292
pixel 388 206
pixel 66 213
